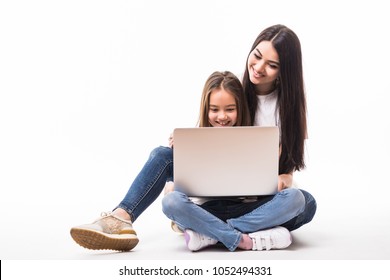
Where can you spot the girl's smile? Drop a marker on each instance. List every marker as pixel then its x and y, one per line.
pixel 222 109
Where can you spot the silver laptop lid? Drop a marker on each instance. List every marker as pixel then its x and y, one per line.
pixel 228 161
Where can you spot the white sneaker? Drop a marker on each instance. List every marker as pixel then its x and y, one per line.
pixel 274 238
pixel 196 241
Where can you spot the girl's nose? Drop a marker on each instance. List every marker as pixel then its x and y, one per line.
pixel 222 116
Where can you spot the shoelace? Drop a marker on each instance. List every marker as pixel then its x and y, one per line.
pixel 261 242
pixel 105 214
pixel 110 214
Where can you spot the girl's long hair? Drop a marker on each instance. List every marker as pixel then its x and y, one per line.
pixel 229 82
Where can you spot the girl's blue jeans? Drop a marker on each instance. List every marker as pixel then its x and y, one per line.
pixel 149 183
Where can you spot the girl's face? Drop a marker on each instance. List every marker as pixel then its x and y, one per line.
pixel 222 108
pixel 263 67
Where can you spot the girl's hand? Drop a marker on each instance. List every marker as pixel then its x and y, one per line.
pixel 170 141
pixel 169 187
pixel 284 181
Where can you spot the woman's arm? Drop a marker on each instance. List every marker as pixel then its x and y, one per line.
pixel 284 180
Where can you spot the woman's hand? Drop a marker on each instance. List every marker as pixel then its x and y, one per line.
pixel 284 181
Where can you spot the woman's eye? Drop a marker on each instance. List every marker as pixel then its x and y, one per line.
pixel 257 56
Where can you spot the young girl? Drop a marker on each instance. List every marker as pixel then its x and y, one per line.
pixel 223 103
pixel 273 84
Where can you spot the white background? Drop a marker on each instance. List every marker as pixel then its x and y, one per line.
pixel 88 88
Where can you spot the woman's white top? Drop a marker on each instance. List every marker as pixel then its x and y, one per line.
pixel 267 113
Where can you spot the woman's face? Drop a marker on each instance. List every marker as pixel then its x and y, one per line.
pixel 263 67
pixel 222 108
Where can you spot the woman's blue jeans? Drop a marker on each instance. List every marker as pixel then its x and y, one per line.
pixel 290 208
pixel 149 183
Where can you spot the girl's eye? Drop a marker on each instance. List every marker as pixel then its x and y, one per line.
pixel 273 66
pixel 231 109
pixel 257 56
pixel 213 110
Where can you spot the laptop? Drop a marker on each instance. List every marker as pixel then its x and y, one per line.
pixel 226 161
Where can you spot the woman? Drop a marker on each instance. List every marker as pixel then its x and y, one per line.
pixel 273 84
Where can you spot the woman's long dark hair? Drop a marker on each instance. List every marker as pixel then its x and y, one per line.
pixel 291 95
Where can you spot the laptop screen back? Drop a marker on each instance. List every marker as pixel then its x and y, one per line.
pixel 228 161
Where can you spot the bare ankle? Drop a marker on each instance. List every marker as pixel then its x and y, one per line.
pixel 245 242
pixel 121 213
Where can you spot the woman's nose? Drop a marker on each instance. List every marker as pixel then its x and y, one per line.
pixel 259 67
